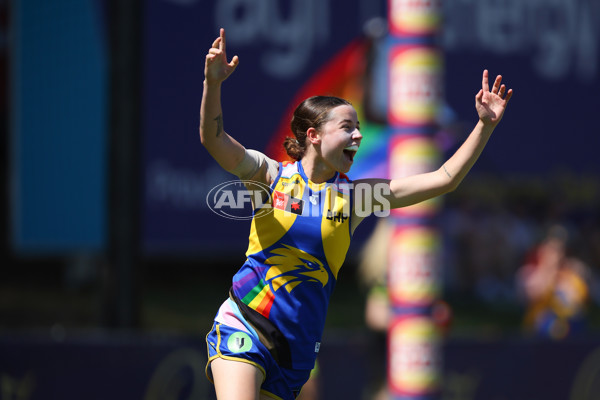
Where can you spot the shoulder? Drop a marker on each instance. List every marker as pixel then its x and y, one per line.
pixel 289 169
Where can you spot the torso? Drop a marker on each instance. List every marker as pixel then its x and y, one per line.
pixel 296 249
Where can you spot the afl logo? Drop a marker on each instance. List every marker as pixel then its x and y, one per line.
pixel 240 200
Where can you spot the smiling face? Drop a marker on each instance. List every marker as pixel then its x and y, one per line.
pixel 340 138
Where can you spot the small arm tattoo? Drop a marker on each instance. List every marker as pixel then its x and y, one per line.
pixel 219 120
pixel 446 171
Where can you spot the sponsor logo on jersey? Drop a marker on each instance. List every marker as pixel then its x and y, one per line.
pixel 239 342
pixel 283 201
pixel 336 216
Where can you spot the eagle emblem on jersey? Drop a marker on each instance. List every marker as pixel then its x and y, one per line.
pixel 291 266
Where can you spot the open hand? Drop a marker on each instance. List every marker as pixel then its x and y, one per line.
pixel 216 68
pixel 491 105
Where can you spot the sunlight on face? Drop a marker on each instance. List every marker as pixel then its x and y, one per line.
pixel 340 138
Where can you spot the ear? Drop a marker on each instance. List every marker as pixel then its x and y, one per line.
pixel 313 136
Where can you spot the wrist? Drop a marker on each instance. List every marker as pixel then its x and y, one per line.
pixel 211 84
pixel 486 127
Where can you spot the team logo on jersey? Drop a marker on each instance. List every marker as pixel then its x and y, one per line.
pixel 291 266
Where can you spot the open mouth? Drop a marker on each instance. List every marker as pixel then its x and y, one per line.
pixel 350 152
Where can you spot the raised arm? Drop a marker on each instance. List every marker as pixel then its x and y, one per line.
pixel 490 106
pixel 224 149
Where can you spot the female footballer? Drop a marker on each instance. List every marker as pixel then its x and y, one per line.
pixel 266 335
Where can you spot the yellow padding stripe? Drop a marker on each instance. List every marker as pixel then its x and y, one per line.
pixel 269 394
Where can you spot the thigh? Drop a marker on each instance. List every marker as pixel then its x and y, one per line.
pixel 236 380
pixel 235 352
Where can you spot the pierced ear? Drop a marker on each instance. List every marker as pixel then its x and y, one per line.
pixel 313 136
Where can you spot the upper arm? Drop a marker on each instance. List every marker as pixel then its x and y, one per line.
pixel 227 151
pixel 257 167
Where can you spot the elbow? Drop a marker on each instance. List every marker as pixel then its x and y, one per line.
pixel 452 185
pixel 449 182
pixel 202 136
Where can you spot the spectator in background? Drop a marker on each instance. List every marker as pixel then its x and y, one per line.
pixel 554 287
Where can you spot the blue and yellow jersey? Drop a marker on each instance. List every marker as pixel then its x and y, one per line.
pixel 297 245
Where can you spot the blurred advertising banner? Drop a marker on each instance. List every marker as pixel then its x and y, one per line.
pixel 98 366
pixel 548 51
pixel 284 47
pixel 293 49
pixel 58 131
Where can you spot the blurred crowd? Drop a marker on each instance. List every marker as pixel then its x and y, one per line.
pixel 540 253
pixel 536 253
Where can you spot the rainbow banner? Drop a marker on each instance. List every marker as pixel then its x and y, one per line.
pixel 414 279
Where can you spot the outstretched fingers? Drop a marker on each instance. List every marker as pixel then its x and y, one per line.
pixel 485 86
pixel 234 62
pixel 496 87
pixel 217 68
pixel 222 37
pixel 501 91
pixel 222 46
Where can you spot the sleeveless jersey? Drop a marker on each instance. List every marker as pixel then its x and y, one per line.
pixel 298 243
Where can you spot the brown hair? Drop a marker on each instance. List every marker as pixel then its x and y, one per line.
pixel 311 113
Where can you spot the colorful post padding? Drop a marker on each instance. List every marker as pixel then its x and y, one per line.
pixel 415 84
pixel 414 362
pixel 414 153
pixel 414 18
pixel 414 276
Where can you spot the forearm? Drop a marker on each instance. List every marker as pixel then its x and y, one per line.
pixel 211 114
pixel 224 149
pixel 457 166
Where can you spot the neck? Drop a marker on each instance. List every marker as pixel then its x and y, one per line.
pixel 315 170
